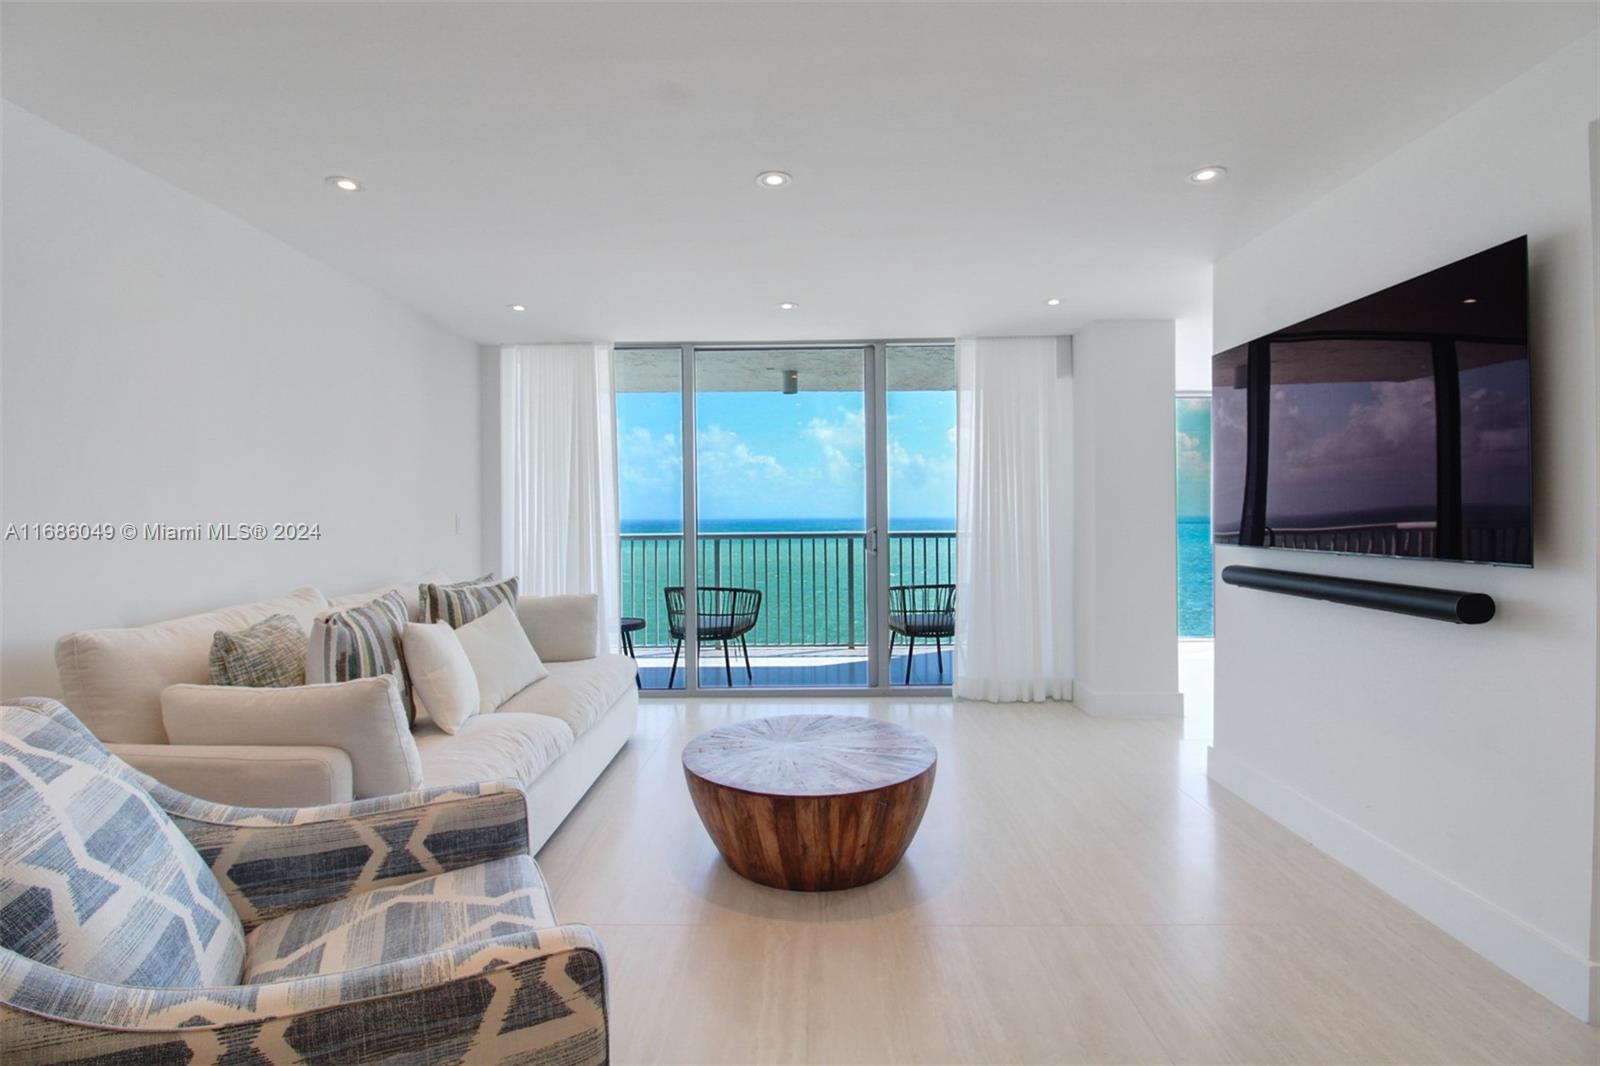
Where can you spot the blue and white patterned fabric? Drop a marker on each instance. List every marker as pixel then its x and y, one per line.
pixel 95 879
pixel 448 910
pixel 429 931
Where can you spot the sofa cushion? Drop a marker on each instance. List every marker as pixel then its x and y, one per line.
pixel 113 678
pixel 362 718
pixel 95 879
pixel 449 910
pixel 493 747
pixel 579 693
pixel 562 628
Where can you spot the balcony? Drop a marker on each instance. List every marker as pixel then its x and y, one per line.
pixel 812 630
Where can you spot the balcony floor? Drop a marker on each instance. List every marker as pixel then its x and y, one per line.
pixel 793 667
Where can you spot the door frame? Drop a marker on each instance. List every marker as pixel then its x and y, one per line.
pixel 876 451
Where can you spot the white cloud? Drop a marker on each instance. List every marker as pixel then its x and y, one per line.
pixel 1190 459
pixel 841 443
pixel 647 460
pixel 911 470
pixel 721 453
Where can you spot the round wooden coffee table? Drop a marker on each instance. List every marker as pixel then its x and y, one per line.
pixel 811 802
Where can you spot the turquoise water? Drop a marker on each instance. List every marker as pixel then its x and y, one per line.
pixel 814 585
pixel 1194 577
pixel 810 597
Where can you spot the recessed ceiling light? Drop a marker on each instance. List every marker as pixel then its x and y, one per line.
pixel 1470 300
pixel 344 184
pixel 1054 301
pixel 787 306
pixel 773 179
pixel 518 307
pixel 1207 175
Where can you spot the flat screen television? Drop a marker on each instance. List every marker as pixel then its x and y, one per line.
pixel 1396 425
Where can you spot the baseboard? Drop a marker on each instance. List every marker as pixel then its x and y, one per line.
pixel 1545 965
pixel 1127 704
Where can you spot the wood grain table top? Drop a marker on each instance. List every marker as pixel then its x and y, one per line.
pixel 809 755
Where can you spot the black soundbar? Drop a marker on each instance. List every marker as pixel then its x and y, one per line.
pixel 1466 608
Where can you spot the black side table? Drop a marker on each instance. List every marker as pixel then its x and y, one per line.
pixel 630 626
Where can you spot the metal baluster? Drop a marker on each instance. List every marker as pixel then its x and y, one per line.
pixel 811 636
pixel 837 580
pixel 836 624
pixel 822 638
pixel 850 571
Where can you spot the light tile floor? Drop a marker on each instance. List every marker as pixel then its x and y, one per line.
pixel 1078 892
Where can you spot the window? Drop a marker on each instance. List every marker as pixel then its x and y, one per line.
pixel 1194 514
pixel 814 488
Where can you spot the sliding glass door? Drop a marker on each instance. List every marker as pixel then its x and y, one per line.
pixel 920 424
pixel 782 506
pixel 816 484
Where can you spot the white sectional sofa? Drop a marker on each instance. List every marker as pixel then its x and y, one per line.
pixel 553 738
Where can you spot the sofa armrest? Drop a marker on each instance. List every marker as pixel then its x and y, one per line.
pixel 273 861
pixel 528 996
pixel 246 775
pixel 562 628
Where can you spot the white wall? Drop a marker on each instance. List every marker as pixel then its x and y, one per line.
pixel 1124 531
pixel 166 362
pixel 491 509
pixel 1453 766
pixel 1192 338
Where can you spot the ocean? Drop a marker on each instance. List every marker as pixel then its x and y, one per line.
pixel 787 525
pixel 815 585
pixel 1194 577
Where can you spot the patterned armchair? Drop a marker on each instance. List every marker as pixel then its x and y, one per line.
pixel 142 925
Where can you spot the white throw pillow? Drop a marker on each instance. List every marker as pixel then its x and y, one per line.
pixel 441 674
pixel 501 655
pixel 363 718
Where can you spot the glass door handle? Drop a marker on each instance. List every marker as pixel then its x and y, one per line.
pixel 872 541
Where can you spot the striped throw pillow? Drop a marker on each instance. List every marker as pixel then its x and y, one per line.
pixel 425 597
pixel 362 641
pixel 269 654
pixel 466 601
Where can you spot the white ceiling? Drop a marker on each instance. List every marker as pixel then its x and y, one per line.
pixel 954 165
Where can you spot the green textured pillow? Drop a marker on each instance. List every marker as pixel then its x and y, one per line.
pixel 269 654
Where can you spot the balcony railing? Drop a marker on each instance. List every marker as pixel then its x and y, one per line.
pixel 813 585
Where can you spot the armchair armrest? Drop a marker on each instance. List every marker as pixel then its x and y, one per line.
pixel 527 996
pixel 246 775
pixel 272 861
pixel 562 628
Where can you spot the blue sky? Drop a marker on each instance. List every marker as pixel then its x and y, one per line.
pixel 1194 457
pixel 767 455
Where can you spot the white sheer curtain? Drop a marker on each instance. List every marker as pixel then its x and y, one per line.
pixel 558 469
pixel 1014 637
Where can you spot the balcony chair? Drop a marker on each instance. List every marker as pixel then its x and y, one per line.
pixel 726 614
pixel 921 611
pixel 140 924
